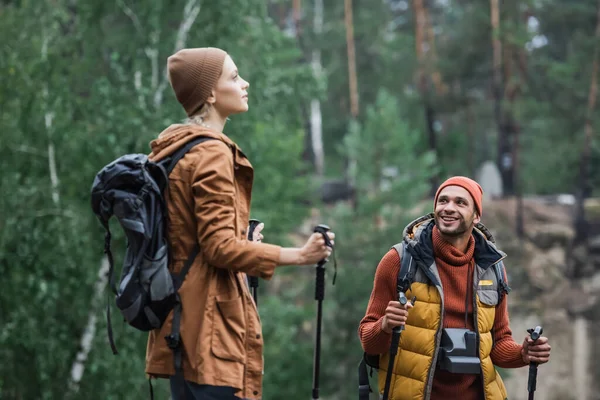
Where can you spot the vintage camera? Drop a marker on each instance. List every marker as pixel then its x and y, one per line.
pixel 458 352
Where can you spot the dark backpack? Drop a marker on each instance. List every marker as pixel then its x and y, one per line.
pixel 132 189
pixel 405 277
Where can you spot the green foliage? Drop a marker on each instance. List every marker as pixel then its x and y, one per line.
pixel 385 204
pixel 51 245
pixel 84 82
pixel 288 346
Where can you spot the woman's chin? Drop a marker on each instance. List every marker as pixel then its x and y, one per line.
pixel 242 109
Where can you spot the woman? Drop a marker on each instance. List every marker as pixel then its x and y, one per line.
pixel 208 204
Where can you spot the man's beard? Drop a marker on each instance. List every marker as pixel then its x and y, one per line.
pixel 460 230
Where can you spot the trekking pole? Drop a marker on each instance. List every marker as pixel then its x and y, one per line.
pixel 531 383
pixel 396 332
pixel 319 296
pixel 253 280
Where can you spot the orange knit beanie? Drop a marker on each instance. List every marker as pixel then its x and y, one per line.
pixel 469 185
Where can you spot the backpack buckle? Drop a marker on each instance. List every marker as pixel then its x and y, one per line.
pixel 403 285
pixel 364 390
pixel 172 341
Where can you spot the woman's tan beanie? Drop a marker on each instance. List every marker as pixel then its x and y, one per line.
pixel 193 73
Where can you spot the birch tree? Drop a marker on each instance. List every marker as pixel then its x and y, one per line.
pixel 316 118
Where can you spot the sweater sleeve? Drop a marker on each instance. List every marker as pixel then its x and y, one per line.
pixel 506 352
pixel 372 337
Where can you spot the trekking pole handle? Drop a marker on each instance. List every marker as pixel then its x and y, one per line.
pixel 320 283
pixel 398 329
pixel 252 226
pixel 253 280
pixel 323 229
pixel 395 343
pixel 402 298
pixel 534 334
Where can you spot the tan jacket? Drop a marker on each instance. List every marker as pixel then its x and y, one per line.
pixel 208 203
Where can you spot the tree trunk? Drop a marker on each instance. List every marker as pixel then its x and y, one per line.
pixel 87 338
pixel 433 72
pixel 353 87
pixel 519 221
pixel 581 352
pixel 190 13
pixel 424 66
pixel 296 12
pixel 353 83
pixel 581 228
pixel 316 120
pixel 48 119
pixel 471 138
pixel 430 120
pixel 503 156
pixel 513 90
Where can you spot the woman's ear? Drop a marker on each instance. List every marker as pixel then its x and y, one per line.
pixel 212 98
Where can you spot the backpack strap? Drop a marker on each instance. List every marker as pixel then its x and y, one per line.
pixel 173 159
pixel 503 287
pixel 364 389
pixel 405 276
pixel 174 338
pixel 111 285
pixel 407 271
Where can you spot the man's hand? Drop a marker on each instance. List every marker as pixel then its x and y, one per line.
pixel 538 352
pixel 395 315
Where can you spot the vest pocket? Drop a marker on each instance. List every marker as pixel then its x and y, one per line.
pixel 488 297
pixel 229 330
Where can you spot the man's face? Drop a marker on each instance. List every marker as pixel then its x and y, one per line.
pixel 454 212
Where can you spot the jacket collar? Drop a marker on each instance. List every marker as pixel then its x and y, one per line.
pixel 418 237
pixel 178 135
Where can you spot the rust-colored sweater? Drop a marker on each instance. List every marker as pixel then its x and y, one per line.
pixel 456 273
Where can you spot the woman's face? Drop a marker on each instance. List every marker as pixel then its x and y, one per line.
pixel 230 95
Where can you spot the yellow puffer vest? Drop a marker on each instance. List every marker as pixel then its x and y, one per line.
pixel 414 369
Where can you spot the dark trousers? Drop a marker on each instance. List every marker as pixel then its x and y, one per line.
pixel 193 391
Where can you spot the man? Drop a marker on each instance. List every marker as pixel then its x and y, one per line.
pixel 455 281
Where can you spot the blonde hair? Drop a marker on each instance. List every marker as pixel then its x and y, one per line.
pixel 198 118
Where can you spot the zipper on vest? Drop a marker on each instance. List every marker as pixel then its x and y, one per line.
pixel 476 326
pixel 438 335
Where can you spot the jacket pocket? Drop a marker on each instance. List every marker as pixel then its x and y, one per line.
pixel 229 330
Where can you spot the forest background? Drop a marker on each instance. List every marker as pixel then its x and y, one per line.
pixel 358 110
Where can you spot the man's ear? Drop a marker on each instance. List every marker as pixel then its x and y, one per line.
pixel 477 218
